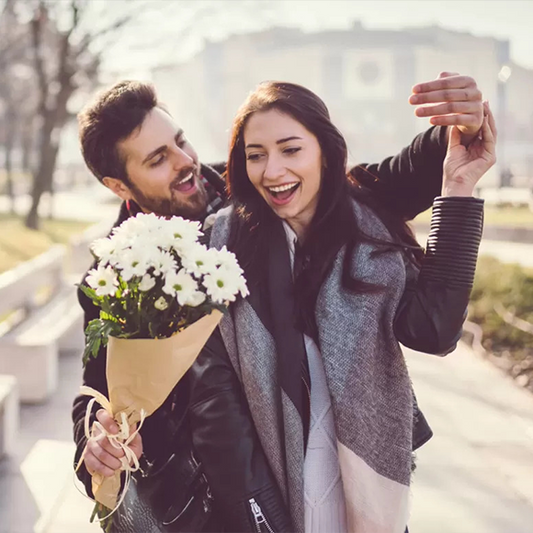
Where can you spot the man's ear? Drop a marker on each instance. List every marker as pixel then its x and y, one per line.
pixel 118 187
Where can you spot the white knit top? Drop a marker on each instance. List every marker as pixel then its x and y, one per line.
pixel 325 508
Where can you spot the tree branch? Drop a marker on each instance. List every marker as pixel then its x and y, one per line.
pixel 36 32
pixel 512 319
pixel 90 38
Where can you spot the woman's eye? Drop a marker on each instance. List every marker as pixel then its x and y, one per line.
pixel 291 151
pixel 253 157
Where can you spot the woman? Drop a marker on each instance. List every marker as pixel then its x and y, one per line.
pixel 336 283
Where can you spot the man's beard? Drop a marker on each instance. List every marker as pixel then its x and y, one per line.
pixel 192 207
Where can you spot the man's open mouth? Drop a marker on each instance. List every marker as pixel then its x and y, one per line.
pixel 186 184
pixel 283 194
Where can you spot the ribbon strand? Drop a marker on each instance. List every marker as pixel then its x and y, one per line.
pixel 121 440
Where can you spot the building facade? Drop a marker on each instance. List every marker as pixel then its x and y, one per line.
pixel 364 76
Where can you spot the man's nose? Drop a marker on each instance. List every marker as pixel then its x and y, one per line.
pixel 182 159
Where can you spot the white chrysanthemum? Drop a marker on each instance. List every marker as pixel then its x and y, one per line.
pixel 103 280
pixel 182 286
pixel 163 262
pixel 107 250
pixel 140 227
pixel 182 229
pixel 196 298
pixel 227 261
pixel 161 304
pixel 147 283
pixel 199 260
pixel 242 286
pixel 131 229
pixel 133 262
pixel 223 285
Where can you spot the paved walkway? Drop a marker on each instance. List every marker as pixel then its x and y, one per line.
pixel 475 476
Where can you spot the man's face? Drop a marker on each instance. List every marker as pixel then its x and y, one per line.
pixel 163 169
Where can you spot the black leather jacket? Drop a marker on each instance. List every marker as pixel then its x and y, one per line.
pixel 405 185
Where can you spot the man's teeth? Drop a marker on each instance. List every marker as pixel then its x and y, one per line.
pixel 187 178
pixel 282 188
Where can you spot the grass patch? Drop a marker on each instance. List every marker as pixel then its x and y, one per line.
pixel 18 243
pixel 497 216
pixel 510 286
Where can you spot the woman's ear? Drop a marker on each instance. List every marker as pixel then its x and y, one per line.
pixel 118 187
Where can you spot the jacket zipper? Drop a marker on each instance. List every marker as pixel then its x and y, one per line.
pixel 259 517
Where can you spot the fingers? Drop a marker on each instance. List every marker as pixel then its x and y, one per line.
pixel 99 460
pixel 107 421
pixel 461 119
pixel 454 138
pixel 488 134
pixel 447 108
pixel 491 121
pixel 445 82
pixel 448 74
pixel 101 456
pixel 461 94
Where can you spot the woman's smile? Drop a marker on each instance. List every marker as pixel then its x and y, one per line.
pixel 284 164
pixel 283 194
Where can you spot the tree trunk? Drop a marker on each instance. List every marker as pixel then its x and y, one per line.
pixel 10 190
pixel 27 147
pixel 48 151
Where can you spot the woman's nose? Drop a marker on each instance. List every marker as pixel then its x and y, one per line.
pixel 274 169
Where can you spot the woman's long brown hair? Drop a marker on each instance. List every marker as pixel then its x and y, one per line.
pixel 334 224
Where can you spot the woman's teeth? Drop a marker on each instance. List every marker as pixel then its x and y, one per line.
pixel 283 193
pixel 282 188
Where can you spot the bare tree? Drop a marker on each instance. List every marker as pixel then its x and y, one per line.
pixel 16 88
pixel 64 59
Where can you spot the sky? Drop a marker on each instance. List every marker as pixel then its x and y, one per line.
pixel 172 29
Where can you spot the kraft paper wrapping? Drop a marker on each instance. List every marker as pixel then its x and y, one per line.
pixel 141 373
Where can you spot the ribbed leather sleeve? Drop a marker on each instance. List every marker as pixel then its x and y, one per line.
pixel 453 242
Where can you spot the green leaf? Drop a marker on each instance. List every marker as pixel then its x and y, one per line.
pixel 90 293
pixel 96 336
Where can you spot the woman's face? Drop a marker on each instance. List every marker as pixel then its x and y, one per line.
pixel 284 163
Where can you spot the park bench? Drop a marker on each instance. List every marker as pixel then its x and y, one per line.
pixel 39 309
pixel 9 414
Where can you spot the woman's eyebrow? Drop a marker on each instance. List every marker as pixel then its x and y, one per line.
pixel 281 141
pixel 286 139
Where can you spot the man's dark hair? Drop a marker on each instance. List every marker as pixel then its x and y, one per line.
pixel 110 118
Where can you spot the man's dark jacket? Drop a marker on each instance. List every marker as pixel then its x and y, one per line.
pixel 404 185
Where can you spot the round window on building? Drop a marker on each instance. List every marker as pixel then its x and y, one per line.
pixel 369 72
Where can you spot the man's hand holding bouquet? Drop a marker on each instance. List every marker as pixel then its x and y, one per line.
pixel 161 294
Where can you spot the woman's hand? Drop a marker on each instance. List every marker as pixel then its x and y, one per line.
pixel 464 166
pixel 450 100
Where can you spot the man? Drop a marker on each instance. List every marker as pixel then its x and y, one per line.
pixel 135 148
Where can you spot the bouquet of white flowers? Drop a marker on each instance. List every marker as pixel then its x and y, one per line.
pixel 161 294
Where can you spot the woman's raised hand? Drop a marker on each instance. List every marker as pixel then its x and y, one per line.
pixel 450 100
pixel 465 165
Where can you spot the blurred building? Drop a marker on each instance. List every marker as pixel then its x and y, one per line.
pixel 364 76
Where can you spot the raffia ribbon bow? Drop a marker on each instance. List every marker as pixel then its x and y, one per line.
pixel 120 440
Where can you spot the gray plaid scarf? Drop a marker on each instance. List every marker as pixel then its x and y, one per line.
pixel 367 379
